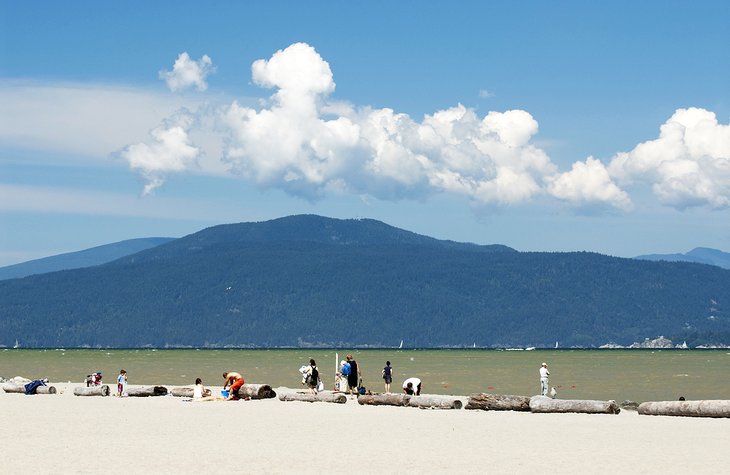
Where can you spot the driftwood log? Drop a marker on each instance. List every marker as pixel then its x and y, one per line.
pixel 424 402
pixel 15 388
pixel 146 391
pixel 703 408
pixel 256 391
pixel 187 392
pixel 337 398
pixel 498 402
pixel 383 399
pixel 102 390
pixel 545 404
pixel 434 402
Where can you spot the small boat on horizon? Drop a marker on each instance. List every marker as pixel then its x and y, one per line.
pixel 401 345
pixel 17 345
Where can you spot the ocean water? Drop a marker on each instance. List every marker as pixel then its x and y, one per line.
pixel 639 375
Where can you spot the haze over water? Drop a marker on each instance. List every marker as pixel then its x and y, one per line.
pixel 639 375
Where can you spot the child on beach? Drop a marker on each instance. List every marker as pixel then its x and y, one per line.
pixel 121 383
pixel 387 376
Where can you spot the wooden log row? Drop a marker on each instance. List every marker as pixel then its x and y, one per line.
pixel 544 404
pixel 102 390
pixel 337 398
pixel 16 388
pixel 187 392
pixel 702 408
pixel 423 401
pixel 498 402
pixel 146 391
pixel 256 391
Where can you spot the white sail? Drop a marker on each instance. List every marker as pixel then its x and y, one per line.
pixel 401 344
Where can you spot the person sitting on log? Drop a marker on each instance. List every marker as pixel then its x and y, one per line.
pixel 233 382
pixel 412 386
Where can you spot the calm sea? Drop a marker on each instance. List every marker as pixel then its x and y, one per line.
pixel 639 375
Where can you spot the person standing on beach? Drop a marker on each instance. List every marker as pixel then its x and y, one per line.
pixel 233 382
pixel 353 380
pixel 544 376
pixel 387 376
pixel 121 383
pixel 312 377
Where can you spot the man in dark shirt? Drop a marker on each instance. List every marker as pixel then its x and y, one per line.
pixel 353 379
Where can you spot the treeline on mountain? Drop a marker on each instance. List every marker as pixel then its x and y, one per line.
pixel 315 281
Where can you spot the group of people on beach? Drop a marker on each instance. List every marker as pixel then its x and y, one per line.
pixel 348 379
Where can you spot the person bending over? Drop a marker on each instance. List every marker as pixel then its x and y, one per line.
pixel 412 386
pixel 233 382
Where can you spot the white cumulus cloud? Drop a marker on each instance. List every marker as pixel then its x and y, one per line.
pixel 305 143
pixel 687 165
pixel 187 73
pixel 170 150
pixel 588 183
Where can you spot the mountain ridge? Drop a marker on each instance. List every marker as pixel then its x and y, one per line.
pixel 700 255
pixel 318 284
pixel 92 256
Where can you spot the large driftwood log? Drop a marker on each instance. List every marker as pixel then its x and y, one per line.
pixel 383 399
pixel 434 402
pixel 256 391
pixel 703 408
pixel 337 398
pixel 146 391
pixel 187 392
pixel 102 390
pixel 498 402
pixel 15 388
pixel 545 404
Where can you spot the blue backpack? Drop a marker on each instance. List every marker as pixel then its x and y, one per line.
pixel 345 370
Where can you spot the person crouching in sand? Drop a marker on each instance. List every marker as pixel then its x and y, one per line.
pixel 233 382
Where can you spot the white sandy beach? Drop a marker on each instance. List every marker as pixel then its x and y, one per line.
pixel 64 433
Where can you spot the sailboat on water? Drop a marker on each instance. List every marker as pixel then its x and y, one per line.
pixel 401 345
pixel 17 345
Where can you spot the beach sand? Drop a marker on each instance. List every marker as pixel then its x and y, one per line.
pixel 64 433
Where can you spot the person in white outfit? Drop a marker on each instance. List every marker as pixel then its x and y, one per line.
pixel 199 389
pixel 544 376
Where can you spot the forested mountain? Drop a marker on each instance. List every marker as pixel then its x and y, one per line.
pixel 86 258
pixel 308 280
pixel 702 255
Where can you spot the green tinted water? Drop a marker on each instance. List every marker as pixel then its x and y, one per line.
pixel 639 375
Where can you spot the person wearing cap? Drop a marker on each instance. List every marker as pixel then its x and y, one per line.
pixel 544 375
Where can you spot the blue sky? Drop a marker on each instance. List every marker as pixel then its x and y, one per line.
pixel 548 126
